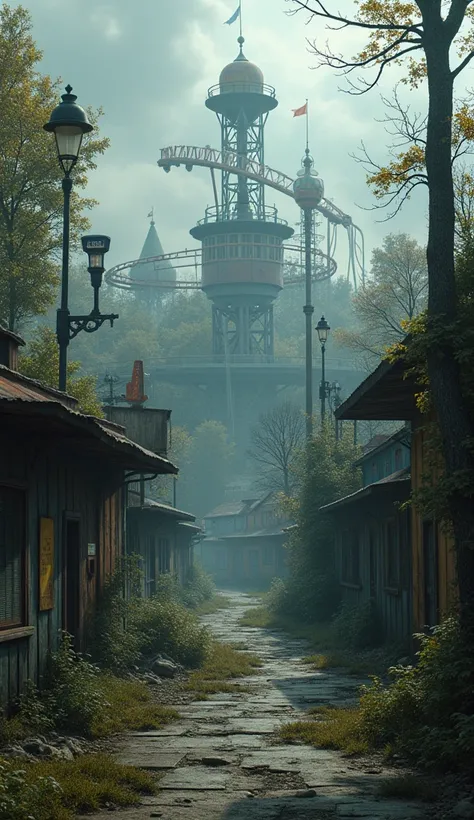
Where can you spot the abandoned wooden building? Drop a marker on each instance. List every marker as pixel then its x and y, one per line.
pixel 62 479
pixel 244 543
pixel 372 536
pixel 389 393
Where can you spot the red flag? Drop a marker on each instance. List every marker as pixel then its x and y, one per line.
pixel 298 112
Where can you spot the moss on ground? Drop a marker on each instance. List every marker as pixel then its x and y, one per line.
pixel 223 664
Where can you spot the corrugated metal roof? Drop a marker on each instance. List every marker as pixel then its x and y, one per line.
pixel 26 397
pixel 401 477
pixel 16 387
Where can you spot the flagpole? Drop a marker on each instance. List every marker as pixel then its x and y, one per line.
pixel 307 125
pixel 240 16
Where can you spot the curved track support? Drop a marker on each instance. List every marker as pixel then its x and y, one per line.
pixel 229 162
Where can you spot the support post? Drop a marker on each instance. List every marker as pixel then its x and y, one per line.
pixel 308 311
pixel 323 382
pixel 62 316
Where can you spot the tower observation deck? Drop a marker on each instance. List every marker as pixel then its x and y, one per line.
pixel 242 239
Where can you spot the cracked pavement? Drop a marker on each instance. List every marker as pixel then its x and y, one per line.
pixel 221 760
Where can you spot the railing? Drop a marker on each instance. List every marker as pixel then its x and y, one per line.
pixel 213 214
pixel 241 88
pixel 248 361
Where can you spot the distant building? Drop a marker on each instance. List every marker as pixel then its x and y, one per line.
pixel 152 272
pixel 244 543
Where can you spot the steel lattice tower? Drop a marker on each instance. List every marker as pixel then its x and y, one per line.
pixel 242 239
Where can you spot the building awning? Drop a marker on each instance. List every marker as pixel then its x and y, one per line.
pixel 31 409
pixel 159 508
pixel 396 486
pixel 389 394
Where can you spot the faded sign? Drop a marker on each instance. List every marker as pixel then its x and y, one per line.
pixel 46 564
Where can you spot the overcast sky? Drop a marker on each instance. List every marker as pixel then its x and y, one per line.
pixel 149 64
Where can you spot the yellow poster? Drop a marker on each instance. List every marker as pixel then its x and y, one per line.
pixel 46 564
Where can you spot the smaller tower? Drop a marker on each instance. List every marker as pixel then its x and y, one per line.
pixel 242 239
pixel 152 271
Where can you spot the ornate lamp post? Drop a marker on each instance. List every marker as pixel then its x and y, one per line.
pixel 323 331
pixel 68 122
pixel 308 191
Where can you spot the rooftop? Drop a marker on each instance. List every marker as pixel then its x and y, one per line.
pixel 398 483
pixel 389 394
pixel 38 410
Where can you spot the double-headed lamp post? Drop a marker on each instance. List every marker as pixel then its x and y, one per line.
pixel 323 332
pixel 68 122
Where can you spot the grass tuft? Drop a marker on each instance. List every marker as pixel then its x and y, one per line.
pixel 224 663
pixel 59 790
pixel 332 728
pixel 214 604
pixel 129 707
pixel 408 787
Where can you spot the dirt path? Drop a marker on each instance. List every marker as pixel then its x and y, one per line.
pixel 221 760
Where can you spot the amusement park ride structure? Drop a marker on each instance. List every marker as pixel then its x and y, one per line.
pixel 247 252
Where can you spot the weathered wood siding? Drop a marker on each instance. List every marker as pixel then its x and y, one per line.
pixel 56 483
pixel 393 603
pixel 446 561
pixel 163 544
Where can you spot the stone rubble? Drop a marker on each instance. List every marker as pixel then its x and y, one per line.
pixel 222 760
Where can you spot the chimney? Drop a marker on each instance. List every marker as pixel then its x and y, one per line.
pixel 9 344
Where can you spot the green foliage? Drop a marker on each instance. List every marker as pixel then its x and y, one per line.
pixel 166 626
pixel 41 362
pixel 326 474
pixel 211 456
pixel 60 790
pixel 396 292
pixel 199 587
pixel 30 178
pixel 23 798
pixel 72 694
pixel 358 627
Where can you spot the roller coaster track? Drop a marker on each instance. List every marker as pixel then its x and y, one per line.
pixel 212 158
pixel 119 276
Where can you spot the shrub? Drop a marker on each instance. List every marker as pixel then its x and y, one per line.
pixel 426 713
pixel 20 798
pixel 166 626
pixel 198 588
pixel 358 627
pixel 72 694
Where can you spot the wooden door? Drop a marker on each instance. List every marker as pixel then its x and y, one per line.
pixel 430 573
pixel 72 578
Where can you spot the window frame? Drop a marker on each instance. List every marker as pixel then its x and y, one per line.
pixel 392 556
pixel 13 626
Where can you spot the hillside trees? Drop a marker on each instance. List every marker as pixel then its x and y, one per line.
pixel 396 291
pixel 435 42
pixel 30 178
pixel 276 442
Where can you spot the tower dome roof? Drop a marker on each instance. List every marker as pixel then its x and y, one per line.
pixel 152 271
pixel 241 75
pixel 308 187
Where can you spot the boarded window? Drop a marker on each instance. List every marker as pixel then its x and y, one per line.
pixel 350 569
pixel 392 556
pixel 12 557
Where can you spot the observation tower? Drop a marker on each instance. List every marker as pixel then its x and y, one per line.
pixel 242 238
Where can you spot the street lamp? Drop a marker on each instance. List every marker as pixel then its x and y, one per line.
pixel 68 122
pixel 308 191
pixel 323 331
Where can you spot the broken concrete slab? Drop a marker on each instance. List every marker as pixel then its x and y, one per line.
pixel 146 759
pixel 195 778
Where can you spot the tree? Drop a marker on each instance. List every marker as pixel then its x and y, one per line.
pixel 396 292
pixel 275 443
pixel 328 474
pixel 435 40
pixel 41 362
pixel 31 198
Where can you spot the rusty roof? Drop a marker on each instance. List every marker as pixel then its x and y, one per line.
pixel 11 335
pixel 43 410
